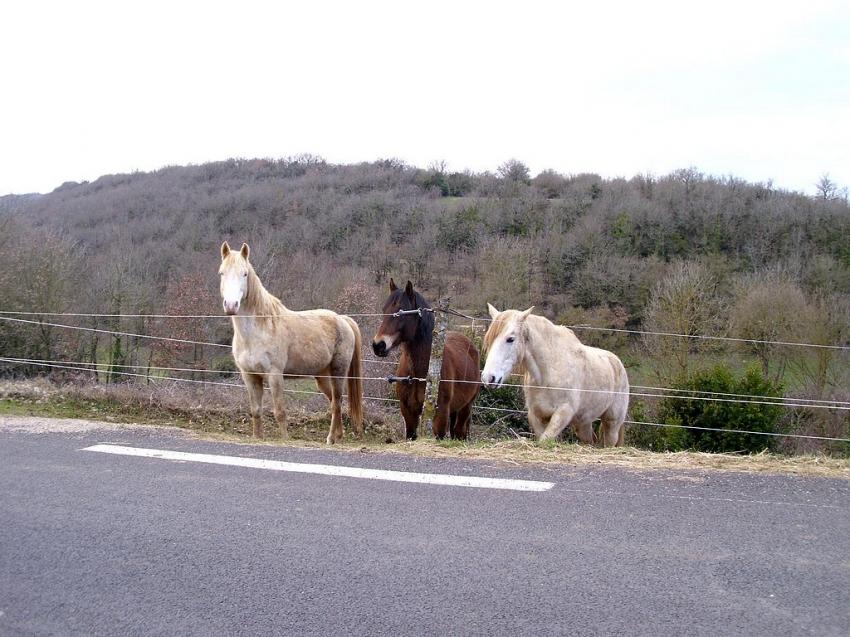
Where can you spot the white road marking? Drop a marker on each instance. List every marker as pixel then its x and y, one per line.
pixel 329 470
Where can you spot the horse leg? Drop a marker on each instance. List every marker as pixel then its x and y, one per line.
pixel 584 431
pixel 443 420
pixel 336 431
pixel 461 426
pixel 276 386
pixel 254 383
pixel 537 425
pixel 324 385
pixel 559 420
pixel 411 421
pixel 442 423
pixel 612 432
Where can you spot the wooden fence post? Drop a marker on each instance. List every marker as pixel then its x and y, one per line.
pixel 435 364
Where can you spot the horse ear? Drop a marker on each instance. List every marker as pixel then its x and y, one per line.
pixel 493 311
pixel 524 314
pixel 225 249
pixel 393 286
pixel 408 289
pixel 245 251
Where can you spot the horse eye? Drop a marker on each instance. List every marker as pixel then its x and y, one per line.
pixel 510 339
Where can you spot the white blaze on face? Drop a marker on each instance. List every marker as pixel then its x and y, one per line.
pixel 502 357
pixel 234 286
pixel 234 277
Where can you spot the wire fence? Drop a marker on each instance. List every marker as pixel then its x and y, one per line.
pixel 667 392
pixel 155 379
pixel 10 316
pixel 652 392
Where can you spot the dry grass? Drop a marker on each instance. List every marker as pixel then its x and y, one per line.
pixel 222 416
pixel 525 452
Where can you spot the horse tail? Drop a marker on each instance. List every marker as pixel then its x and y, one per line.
pixel 355 381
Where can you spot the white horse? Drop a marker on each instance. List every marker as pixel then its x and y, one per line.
pixel 587 383
pixel 271 341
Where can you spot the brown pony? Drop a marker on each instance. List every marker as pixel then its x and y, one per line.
pixel 414 334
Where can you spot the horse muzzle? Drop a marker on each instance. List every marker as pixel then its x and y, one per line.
pixel 490 381
pixel 380 348
pixel 231 307
pixel 382 344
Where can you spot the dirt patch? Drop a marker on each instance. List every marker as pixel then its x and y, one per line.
pixel 46 425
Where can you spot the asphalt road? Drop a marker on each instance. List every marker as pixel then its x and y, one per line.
pixel 98 544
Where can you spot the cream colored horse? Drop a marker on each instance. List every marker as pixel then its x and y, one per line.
pixel 589 383
pixel 271 342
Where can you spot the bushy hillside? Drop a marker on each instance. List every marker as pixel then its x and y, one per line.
pixel 554 241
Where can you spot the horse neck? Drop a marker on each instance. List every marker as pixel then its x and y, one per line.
pixel 529 366
pixel 533 360
pixel 258 307
pixel 540 352
pixel 418 351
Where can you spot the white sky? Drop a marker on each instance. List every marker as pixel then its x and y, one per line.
pixel 760 90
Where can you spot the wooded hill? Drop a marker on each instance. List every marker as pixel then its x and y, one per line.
pixel 554 241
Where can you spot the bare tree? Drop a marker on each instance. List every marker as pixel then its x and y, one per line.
pixel 768 308
pixel 826 188
pixel 686 303
pixel 514 170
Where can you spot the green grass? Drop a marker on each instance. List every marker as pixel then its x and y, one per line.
pixel 71 407
pixel 138 407
pixel 643 368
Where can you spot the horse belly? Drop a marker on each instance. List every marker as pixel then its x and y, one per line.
pixel 314 350
pixel 586 405
pixel 308 363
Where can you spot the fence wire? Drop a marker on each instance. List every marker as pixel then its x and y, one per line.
pixel 8 315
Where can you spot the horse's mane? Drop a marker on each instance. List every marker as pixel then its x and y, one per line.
pixel 540 324
pixel 496 328
pixel 259 299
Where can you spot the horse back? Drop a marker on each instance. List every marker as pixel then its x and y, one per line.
pixel 608 359
pixel 461 363
pixel 460 358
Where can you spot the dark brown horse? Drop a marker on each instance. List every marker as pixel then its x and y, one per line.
pixel 414 334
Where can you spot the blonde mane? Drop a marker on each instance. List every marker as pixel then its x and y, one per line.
pixel 259 300
pixel 497 326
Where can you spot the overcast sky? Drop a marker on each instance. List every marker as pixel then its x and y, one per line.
pixel 760 90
